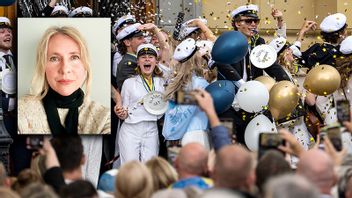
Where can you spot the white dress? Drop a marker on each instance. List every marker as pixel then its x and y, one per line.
pixel 138 135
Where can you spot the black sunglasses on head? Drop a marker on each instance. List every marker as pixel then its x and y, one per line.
pixel 250 21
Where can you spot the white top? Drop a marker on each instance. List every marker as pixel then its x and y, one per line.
pixel 132 94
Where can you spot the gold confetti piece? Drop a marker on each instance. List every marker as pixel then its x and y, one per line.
pixel 299 12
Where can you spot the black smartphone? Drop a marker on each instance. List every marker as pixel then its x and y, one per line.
pixel 35 142
pixel 334 134
pixel 322 135
pixel 230 126
pixel 185 98
pixel 268 141
pixel 343 110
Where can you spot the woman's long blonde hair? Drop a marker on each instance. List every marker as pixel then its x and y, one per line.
pixel 40 84
pixel 162 172
pixel 183 74
pixel 289 65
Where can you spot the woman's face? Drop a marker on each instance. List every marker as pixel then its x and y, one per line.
pixel 288 55
pixel 147 64
pixel 64 69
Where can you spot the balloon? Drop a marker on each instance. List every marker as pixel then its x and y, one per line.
pixel 223 92
pixel 259 124
pixel 253 96
pixel 230 48
pixel 267 81
pixel 322 80
pixel 283 100
pixel 6 2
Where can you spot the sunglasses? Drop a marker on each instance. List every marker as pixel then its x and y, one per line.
pixel 250 21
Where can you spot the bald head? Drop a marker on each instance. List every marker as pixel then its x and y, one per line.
pixel 192 160
pixel 318 167
pixel 234 168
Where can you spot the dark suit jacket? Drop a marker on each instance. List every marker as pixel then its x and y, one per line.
pixel 125 69
pixel 322 53
pixel 234 71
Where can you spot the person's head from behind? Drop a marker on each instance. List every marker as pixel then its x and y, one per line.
pixel 162 172
pixel 62 63
pixel 129 39
pixel 192 160
pixel 318 167
pixel 5 34
pixel 134 180
pixel 234 168
pixel 334 28
pixel 290 186
pixel 79 188
pixel 245 19
pixel 35 190
pixel 271 164
pixel 147 60
pixel 24 179
pixel 69 151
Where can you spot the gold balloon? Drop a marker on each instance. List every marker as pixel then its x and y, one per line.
pixel 322 80
pixel 283 99
pixel 267 81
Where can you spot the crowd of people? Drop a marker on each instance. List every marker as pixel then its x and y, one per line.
pixel 168 138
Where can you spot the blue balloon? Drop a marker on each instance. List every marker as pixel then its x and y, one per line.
pixel 223 92
pixel 6 2
pixel 230 48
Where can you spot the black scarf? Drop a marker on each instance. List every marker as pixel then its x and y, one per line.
pixel 54 100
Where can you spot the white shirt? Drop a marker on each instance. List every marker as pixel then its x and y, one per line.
pixel 132 94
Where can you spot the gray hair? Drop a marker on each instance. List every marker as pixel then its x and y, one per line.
pixel 290 186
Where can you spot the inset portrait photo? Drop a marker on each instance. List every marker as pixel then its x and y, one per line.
pixel 64 76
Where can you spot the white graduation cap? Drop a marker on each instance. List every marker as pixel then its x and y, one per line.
pixel 333 23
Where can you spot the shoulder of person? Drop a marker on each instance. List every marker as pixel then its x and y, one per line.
pixel 94 106
pixel 29 100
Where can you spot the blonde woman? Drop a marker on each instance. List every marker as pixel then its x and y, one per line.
pixel 57 104
pixel 295 124
pixel 162 172
pixel 133 180
pixel 183 121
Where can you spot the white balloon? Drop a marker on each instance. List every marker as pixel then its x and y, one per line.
pixel 257 125
pixel 253 96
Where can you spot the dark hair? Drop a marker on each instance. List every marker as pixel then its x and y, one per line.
pixel 234 21
pixel 79 188
pixel 333 37
pixel 69 151
pixel 271 164
pixel 122 48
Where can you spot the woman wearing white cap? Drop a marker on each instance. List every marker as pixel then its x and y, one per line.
pixel 295 124
pixel 186 122
pixel 138 136
pixel 333 31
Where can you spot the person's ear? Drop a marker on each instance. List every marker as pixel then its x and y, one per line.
pixel 83 159
pixel 127 42
pixel 238 24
